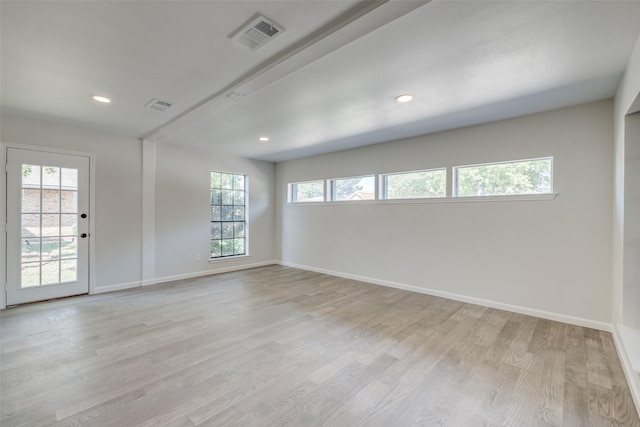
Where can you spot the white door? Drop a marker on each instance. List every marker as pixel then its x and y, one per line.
pixel 47 225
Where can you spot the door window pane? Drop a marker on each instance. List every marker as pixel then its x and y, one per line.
pixel 31 225
pixel 49 246
pixel 50 177
pixel 50 272
pixel 69 179
pixel 31 176
pixel 50 225
pixel 30 200
pixel 69 270
pixel 68 201
pixel 68 247
pixel 50 201
pixel 69 225
pixel 30 249
pixel 30 274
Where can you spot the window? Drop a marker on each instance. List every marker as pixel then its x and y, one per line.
pixel 512 178
pixel 414 185
pixel 303 192
pixel 496 179
pixel 228 214
pixel 355 188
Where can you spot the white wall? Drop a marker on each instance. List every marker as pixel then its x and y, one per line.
pixel 628 92
pixel 182 198
pixel 117 188
pixel 627 337
pixel 631 248
pixel 183 210
pixel 549 256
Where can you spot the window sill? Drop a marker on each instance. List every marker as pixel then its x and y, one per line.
pixel 474 199
pixel 228 258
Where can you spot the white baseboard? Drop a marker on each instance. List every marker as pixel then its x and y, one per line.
pixel 158 280
pixel 113 288
pixel 165 279
pixel 627 366
pixel 602 326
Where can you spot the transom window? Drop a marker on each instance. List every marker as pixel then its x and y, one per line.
pixel 228 214
pixel 506 178
pixel 530 178
pixel 304 192
pixel 354 188
pixel 414 185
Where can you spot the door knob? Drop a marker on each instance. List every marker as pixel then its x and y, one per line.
pixel 83 216
pixel 83 235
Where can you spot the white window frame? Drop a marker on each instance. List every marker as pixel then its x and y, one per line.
pixel 454 180
pixel 382 184
pixel 291 190
pixel 331 187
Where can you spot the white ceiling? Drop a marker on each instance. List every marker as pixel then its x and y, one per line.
pixel 327 83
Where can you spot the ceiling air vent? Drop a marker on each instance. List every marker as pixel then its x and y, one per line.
pixel 258 32
pixel 158 104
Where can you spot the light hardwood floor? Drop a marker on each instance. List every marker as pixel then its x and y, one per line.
pixel 278 346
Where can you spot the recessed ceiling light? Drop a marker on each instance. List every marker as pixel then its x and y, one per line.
pixel 404 98
pixel 102 99
pixel 263 138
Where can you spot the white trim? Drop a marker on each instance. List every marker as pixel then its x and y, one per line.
pixel 113 288
pixel 3 221
pixel 470 199
pixel 29 147
pixel 148 255
pixel 92 223
pixel 630 373
pixel 504 162
pixel 160 280
pixel 228 258
pixel 206 273
pixel 463 298
pixel 92 208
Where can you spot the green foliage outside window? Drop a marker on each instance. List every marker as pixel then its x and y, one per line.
pixel 414 185
pixel 357 188
pixel 228 214
pixel 524 177
pixel 311 191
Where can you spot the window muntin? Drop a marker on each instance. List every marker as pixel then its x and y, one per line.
pixel 228 214
pixel 414 185
pixel 519 177
pixel 306 192
pixel 353 188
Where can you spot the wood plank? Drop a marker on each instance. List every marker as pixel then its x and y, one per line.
pixel 280 346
